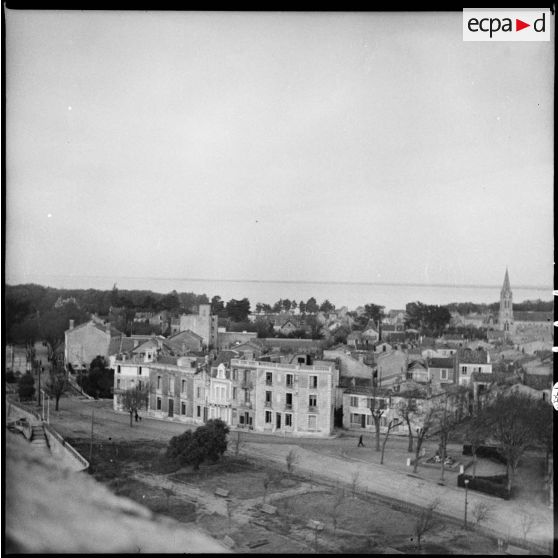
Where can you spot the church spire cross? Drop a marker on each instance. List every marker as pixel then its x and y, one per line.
pixel 506 286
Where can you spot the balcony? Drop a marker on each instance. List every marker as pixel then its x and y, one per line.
pixel 312 409
pixel 288 407
pixel 269 382
pixel 268 403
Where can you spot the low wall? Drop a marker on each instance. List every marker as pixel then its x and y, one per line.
pixel 14 411
pixel 63 451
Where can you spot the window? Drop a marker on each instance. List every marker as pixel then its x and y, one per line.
pixel 183 386
pixel 235 373
pixel 443 374
pixel 247 396
pixel 158 403
pixel 139 371
pixel 369 420
pixel 117 383
pixel 268 417
pixel 289 400
pixel 118 369
pixel 183 408
pixel 139 384
pixel 313 382
pixel 312 422
pixel 354 402
pixel 268 398
pixel 290 380
pixel 158 382
pixel 171 385
pixel 241 419
pixel 198 392
pixel 234 393
pixel 288 419
pixel 355 418
pixel 312 400
pixel 198 411
pixel 268 378
pixel 464 370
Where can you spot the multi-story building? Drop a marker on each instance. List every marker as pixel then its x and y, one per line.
pixel 280 397
pixel 442 371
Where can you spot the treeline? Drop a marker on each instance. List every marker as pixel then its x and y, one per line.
pixel 465 308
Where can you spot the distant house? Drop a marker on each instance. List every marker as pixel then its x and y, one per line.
pixel 442 371
pixel 228 339
pixel 391 367
pixel 470 362
pixel 417 370
pixel 203 324
pixel 86 341
pixel 354 338
pixel 186 341
pixel 249 350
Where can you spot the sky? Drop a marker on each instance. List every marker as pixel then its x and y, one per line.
pixel 275 146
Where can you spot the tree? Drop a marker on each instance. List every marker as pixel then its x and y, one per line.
pixel 377 408
pixel 238 310
pixel 286 305
pixel 426 317
pixel 218 307
pixel 326 306
pixel 406 409
pixel 542 422
pixel 511 421
pixel 133 398
pixel 57 383
pixel 302 307
pixel 26 387
pixel 99 380
pixel 393 423
pixel 374 312
pixel 427 421
pixel 476 434
pixel 338 499
pixel 207 442
pixel 312 306
pixel 481 512
pixel 445 423
pixel 425 521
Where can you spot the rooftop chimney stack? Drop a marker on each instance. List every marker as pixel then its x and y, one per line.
pixel 71 324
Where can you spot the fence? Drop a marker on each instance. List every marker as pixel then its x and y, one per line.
pixel 78 462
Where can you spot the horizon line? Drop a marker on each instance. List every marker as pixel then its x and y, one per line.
pixel 293 281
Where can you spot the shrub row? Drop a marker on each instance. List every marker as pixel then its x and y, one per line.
pixel 489 452
pixel 496 485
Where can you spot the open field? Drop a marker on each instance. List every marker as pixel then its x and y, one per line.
pixel 139 470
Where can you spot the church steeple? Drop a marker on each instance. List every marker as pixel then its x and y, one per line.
pixel 505 316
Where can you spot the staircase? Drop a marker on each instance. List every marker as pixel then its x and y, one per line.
pixel 38 437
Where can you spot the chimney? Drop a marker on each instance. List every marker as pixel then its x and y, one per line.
pixel 107 327
pixel 71 324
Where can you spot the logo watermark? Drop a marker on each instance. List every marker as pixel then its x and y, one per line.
pixel 486 24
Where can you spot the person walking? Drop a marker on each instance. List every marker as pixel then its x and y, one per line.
pixel 137 416
pixel 360 444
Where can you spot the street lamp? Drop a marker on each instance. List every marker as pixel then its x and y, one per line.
pixel 466 487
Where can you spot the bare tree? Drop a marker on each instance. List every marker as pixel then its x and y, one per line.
pixel 512 423
pixel 427 421
pixel 526 522
pixel 406 409
pixel 291 459
pixel 377 409
pixel 481 512
pixel 476 436
pixel 355 484
pixel 133 399
pixel 425 521
pixel 445 423
pixel 393 423
pixel 338 499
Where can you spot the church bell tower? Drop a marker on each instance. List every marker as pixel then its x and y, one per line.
pixel 505 317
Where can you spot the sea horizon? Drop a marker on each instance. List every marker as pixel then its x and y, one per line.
pixel 389 294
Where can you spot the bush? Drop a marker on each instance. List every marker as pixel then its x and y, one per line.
pixel 26 387
pixel 496 485
pixel 207 442
pixel 488 452
pixel 10 377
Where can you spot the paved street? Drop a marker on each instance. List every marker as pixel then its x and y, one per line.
pixel 334 458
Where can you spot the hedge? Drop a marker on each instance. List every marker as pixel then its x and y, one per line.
pixel 496 485
pixel 489 452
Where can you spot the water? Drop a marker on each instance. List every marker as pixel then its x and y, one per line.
pixel 392 296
